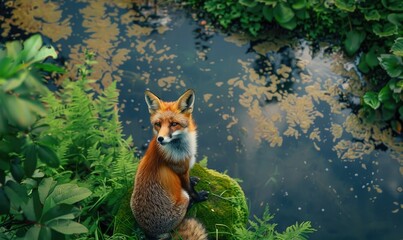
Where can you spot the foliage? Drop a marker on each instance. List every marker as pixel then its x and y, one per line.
pixel 62 155
pixel 32 205
pixel 368 26
pixel 262 228
pixel 388 101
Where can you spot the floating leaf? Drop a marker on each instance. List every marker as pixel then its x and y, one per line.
pixel 353 41
pixel 283 13
pixel 384 30
pixel 67 227
pixel 371 99
pixel 397 47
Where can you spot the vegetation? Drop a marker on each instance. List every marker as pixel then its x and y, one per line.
pixel 369 27
pixel 65 166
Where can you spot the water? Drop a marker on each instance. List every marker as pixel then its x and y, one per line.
pixel 277 114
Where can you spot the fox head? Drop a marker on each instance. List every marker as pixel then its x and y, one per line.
pixel 173 124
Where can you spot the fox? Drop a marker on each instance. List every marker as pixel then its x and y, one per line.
pixel 163 189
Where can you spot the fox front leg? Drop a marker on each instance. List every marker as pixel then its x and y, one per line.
pixel 196 196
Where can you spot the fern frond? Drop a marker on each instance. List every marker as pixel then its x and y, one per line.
pixel 296 232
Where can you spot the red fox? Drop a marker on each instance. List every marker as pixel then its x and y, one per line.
pixel 163 189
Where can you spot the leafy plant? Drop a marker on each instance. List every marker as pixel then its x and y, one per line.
pixel 262 228
pixel 32 206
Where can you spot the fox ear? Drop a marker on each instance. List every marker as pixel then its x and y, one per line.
pixel 186 101
pixel 152 101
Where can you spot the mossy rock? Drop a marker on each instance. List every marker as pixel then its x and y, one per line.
pixel 223 212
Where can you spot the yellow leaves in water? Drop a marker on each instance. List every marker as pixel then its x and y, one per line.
pixel 337 131
pixel 350 151
pixel 38 16
pixel 167 82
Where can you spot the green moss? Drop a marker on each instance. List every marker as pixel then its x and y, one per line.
pixel 226 208
pixel 224 211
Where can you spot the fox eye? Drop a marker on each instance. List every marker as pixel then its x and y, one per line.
pixel 157 124
pixel 173 124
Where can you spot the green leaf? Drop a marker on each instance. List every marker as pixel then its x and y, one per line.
pixel 48 156
pixel 372 15
pixel 16 193
pixel 397 47
pixel 13 83
pixel 13 50
pixel 396 19
pixel 345 5
pixel 384 30
pixel 4 203
pixel 22 117
pixel 67 227
pixel 290 25
pixel 62 211
pixel 387 114
pixel 392 64
pixel 248 3
pixel 353 41
pixel 31 159
pixel 31 47
pixel 45 52
pixel 33 233
pixel 385 94
pixel 390 105
pixel 45 187
pixel 298 4
pixel 283 13
pixel 371 99
pixel 33 208
pixel 394 5
pixel 17 171
pixel 48 67
pixel 69 193
pixel 268 13
pixel 362 65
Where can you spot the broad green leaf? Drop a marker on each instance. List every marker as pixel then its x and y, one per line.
pixel 289 25
pixel 390 105
pixel 283 13
pixel 397 47
pixel 67 227
pixel 13 83
pixel 371 58
pixel 45 52
pixel 16 193
pixel 46 233
pixel 387 114
pixel 7 69
pixel 31 159
pixel 384 30
pixel 298 4
pixel 45 187
pixel 396 19
pixel 392 64
pixel 302 14
pixel 4 203
pixel 353 41
pixel 31 47
pixel 62 211
pixel 13 49
pixel 345 5
pixel 69 193
pixel 48 156
pixel 33 233
pixel 268 13
pixel 385 94
pixel 362 65
pixel 33 208
pixel 23 116
pixel 371 99
pixel 17 171
pixel 372 15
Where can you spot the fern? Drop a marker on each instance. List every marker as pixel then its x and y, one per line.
pixel 296 232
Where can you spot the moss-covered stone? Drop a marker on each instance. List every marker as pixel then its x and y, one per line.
pixel 223 212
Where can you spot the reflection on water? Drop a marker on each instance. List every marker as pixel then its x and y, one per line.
pixel 274 113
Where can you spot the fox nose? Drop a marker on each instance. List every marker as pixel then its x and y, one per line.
pixel 160 139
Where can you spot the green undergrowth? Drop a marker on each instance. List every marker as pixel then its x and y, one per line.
pixel 366 29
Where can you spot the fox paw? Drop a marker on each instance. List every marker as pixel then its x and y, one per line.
pixel 203 196
pixel 194 181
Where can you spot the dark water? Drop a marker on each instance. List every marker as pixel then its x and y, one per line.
pixel 275 113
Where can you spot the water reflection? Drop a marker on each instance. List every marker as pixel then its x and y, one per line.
pixel 273 113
